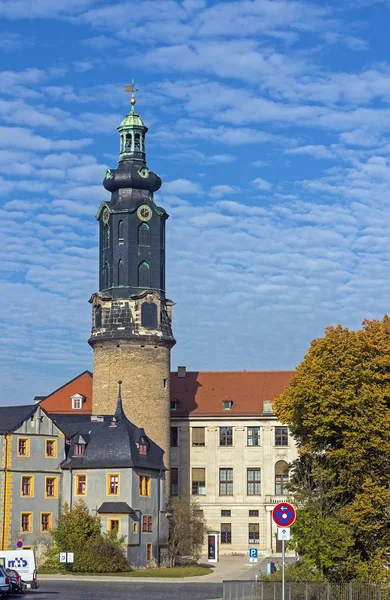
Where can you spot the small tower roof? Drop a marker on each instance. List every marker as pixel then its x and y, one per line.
pixel 132 120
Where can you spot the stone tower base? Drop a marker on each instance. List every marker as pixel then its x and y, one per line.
pixel 144 370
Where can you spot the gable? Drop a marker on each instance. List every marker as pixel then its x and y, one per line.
pixel 61 401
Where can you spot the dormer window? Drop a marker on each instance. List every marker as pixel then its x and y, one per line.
pixel 77 401
pixel 174 404
pixel 79 450
pixel 267 406
pixel 143 447
pixel 227 404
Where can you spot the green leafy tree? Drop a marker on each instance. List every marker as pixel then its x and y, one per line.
pixel 186 529
pixel 79 532
pixel 338 409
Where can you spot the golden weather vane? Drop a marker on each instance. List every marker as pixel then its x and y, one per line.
pixel 131 88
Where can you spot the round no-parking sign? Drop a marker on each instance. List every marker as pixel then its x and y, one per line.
pixel 284 514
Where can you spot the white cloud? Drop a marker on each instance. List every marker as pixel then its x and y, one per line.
pixel 182 186
pixel 262 184
pixel 219 191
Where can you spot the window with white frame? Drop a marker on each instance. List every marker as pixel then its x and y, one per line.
pixel 77 401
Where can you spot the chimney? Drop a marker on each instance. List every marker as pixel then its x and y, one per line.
pixel 181 372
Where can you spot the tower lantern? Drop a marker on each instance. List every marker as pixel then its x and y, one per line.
pixel 131 317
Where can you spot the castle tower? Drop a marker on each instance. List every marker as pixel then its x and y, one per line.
pixel 131 316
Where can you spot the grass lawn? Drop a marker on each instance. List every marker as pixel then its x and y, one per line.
pixel 179 571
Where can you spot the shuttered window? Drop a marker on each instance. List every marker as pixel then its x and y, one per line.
pixel 198 436
pixel 198 481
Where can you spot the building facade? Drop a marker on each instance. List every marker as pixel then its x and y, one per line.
pixel 108 462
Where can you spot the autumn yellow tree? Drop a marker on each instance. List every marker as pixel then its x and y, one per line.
pixel 338 409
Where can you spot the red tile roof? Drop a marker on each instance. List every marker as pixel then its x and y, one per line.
pixel 202 393
pixel 60 401
pixel 198 393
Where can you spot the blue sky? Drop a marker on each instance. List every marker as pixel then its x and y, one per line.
pixel 269 124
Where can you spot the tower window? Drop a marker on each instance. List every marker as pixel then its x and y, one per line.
pixel 106 276
pixel 144 275
pixel 106 236
pixel 162 275
pixel 121 236
pixel 162 234
pixel 149 315
pixel 98 316
pixel 137 143
pixel 144 235
pixel 128 142
pixel 121 273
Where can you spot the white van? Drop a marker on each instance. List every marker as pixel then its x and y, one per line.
pixel 23 561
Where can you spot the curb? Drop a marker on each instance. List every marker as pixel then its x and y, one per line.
pixel 114 579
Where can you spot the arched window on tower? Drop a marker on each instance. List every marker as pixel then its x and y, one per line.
pixel 281 478
pixel 106 236
pixel 121 273
pixel 162 275
pixel 122 143
pixel 144 275
pixel 98 316
pixel 162 234
pixel 106 276
pixel 149 315
pixel 121 236
pixel 128 142
pixel 144 235
pixel 137 144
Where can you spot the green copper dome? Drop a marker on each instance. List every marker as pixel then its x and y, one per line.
pixel 132 120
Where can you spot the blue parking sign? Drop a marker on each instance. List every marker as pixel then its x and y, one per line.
pixel 253 553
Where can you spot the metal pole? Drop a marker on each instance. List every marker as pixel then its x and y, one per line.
pixel 282 569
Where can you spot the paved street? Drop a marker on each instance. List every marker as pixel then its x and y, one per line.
pixel 81 590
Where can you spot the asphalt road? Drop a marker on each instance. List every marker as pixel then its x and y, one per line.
pixel 94 590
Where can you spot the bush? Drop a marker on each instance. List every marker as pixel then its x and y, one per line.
pixel 80 532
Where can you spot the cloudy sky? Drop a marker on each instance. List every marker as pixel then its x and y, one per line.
pixel 269 124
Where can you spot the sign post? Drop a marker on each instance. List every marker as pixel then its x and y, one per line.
pixel 253 557
pixel 284 516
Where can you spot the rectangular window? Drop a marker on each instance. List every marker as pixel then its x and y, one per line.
pixel 253 437
pixel 149 552
pixel 253 533
pixel 227 404
pixel 51 449
pixel 226 513
pixel 226 436
pixel 147 521
pixel 225 482
pixel 144 485
pixel 254 482
pixel 23 447
pixel 135 528
pixel 174 481
pixel 77 403
pixel 198 436
pixel 198 481
pixel 79 450
pixel 174 404
pixel 46 521
pixel 226 533
pixel 281 436
pixel 81 485
pixel 253 513
pixel 174 437
pixel 113 525
pixel 51 487
pixel 113 484
pixel 27 486
pixel 26 522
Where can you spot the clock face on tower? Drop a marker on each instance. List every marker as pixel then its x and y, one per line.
pixel 144 212
pixel 106 216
